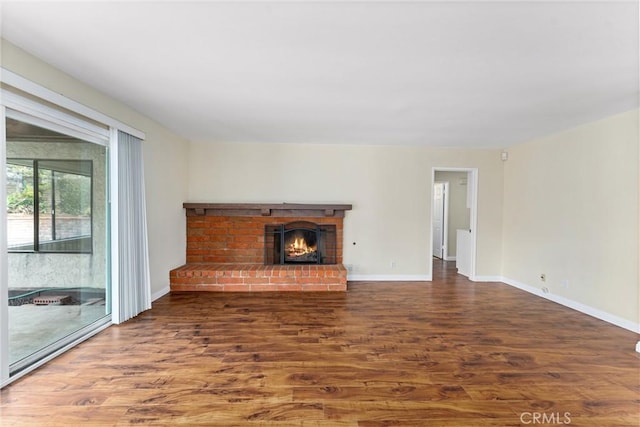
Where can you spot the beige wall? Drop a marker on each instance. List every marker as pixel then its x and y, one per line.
pixel 459 213
pixel 389 187
pixel 165 156
pixel 571 212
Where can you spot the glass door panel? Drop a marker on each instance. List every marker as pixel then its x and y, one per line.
pixel 20 206
pixel 58 240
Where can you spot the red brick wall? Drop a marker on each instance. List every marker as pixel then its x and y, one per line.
pixel 239 239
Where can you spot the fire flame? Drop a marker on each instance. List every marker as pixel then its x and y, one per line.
pixel 299 247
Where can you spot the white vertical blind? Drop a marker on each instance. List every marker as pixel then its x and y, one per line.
pixel 134 285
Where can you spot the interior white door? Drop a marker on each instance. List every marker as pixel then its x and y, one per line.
pixel 438 219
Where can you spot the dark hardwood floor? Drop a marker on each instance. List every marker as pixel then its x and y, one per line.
pixel 445 353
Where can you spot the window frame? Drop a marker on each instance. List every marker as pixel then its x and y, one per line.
pixel 36 243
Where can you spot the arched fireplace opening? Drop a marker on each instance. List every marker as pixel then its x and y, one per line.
pixel 300 242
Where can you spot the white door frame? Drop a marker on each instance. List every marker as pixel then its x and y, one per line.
pixel 473 220
pixel 4 259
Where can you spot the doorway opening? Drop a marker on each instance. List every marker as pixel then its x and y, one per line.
pixel 454 217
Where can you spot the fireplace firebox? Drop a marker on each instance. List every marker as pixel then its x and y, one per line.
pixel 300 242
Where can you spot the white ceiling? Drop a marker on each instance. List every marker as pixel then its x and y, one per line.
pixel 460 74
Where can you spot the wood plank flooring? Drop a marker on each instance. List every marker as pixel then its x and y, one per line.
pixel 445 353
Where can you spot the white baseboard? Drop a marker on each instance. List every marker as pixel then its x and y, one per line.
pixel 591 311
pixel 159 294
pixel 450 258
pixel 487 279
pixel 389 277
pixel 409 278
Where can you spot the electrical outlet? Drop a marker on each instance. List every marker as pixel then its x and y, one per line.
pixel 393 264
pixel 545 290
pixel 565 284
pixel 349 268
pixel 543 277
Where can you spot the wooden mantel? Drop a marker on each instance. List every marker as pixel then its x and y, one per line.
pixel 266 209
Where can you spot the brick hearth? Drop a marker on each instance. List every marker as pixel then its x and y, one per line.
pixel 225 249
pixel 258 277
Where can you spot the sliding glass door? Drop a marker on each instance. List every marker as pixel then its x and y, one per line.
pixel 57 238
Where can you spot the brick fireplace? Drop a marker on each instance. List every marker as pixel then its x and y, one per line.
pixel 226 248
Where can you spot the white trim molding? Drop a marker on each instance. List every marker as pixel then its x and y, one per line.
pixel 159 294
pixel 389 278
pixel 487 279
pixel 591 311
